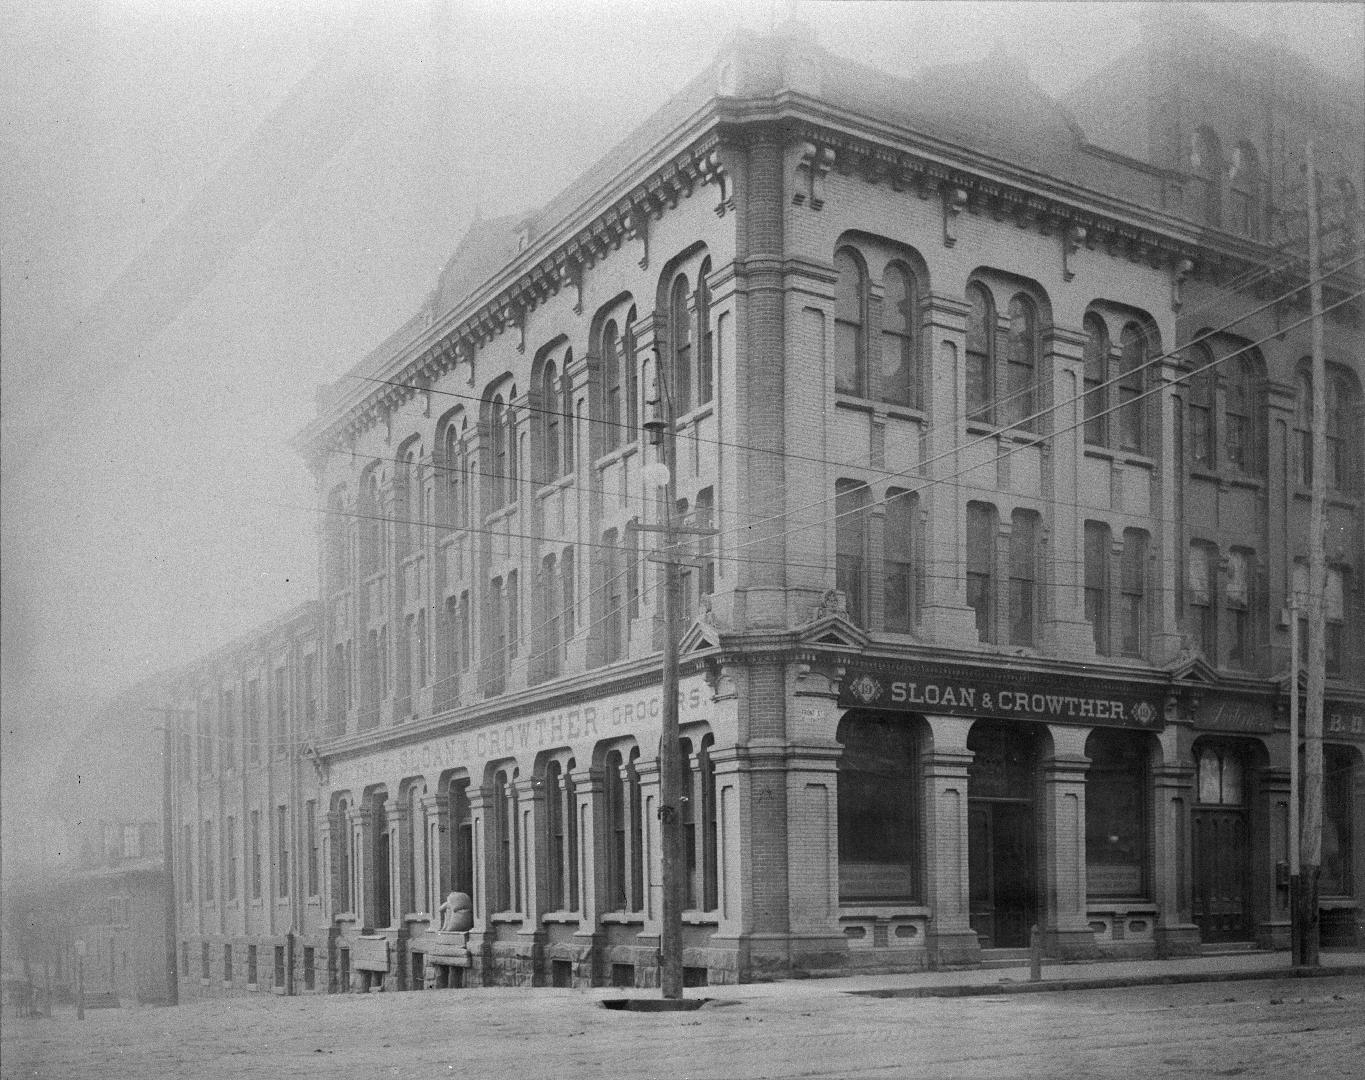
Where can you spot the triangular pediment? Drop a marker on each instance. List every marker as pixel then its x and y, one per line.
pixel 699 638
pixel 1194 670
pixel 832 630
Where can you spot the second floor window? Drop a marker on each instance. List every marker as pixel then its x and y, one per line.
pixel 850 324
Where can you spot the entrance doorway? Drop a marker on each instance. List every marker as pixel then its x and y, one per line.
pixel 1001 841
pixel 1221 887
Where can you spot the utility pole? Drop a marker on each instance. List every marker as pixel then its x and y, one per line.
pixel 1310 867
pixel 659 425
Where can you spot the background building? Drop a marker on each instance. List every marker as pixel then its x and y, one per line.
pixel 997 411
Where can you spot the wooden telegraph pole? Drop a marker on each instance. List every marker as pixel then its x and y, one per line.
pixel 1310 843
pixel 659 425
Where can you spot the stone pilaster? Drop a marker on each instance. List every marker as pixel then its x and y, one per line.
pixel 951 939
pixel 1066 929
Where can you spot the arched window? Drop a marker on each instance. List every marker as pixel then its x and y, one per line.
pixel 680 340
pixel 561 836
pixel 1132 358
pixel 851 502
pixel 879 826
pixel 900 307
pixel 1021 362
pixel 613 387
pixel 506 883
pixel 342 898
pixel 706 375
pixel 1096 374
pixel 623 809
pixel 550 420
pixel 502 478
pixel 1206 175
pixel 1096 597
pixel 1239 418
pixel 980 354
pixel 456 477
pixel 372 524
pixel 1201 409
pixel 414 500
pixel 566 402
pixel 850 322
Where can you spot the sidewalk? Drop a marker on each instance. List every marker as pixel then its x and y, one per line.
pixel 1088 975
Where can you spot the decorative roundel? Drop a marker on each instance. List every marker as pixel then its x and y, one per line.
pixel 866 688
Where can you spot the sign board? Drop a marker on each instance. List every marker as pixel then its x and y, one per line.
pixel 1343 720
pixel 370 954
pixel 1236 712
pixel 953 690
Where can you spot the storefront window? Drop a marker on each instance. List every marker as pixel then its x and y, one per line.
pixel 878 818
pixel 1116 814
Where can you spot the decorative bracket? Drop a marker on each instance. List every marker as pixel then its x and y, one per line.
pixel 572 275
pixel 815 163
pixel 954 199
pixel 638 227
pixel 1182 270
pixel 713 172
pixel 1073 236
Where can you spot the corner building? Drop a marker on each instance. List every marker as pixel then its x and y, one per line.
pixel 991 442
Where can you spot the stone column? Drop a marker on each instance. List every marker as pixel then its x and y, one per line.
pixel 533 866
pixel 592 861
pixel 481 933
pixel 951 939
pixel 1269 827
pixel 1066 929
pixel 400 861
pixel 362 857
pixel 1172 798
pixel 436 828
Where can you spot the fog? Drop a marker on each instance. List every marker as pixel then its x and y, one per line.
pixel 210 208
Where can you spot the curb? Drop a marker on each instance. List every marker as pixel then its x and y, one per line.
pixel 1111 983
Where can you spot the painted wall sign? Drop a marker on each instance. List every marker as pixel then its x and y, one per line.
pixel 1343 720
pixel 1230 712
pixel 638 713
pixel 949 690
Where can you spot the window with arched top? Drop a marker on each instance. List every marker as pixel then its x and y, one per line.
pixel 1096 395
pixel 550 422
pixel 706 376
pixel 900 316
pixel 980 370
pixel 1021 362
pixel 1201 403
pixel 613 387
pixel 850 324
pixel 1131 412
pixel 502 477
pixel 413 510
pixel 456 476
pixel 561 835
pixel 680 343
pixel 371 523
pixel 1238 416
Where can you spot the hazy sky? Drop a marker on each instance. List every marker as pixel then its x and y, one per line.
pixel 184 260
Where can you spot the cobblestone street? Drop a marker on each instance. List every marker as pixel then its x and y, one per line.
pixel 1301 1028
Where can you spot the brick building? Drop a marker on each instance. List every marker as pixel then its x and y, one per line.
pixel 995 410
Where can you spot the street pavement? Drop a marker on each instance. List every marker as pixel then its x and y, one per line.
pixel 1246 1017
